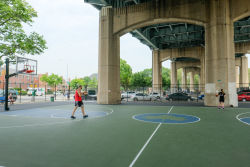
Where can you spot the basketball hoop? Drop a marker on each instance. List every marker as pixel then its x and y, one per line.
pixel 29 71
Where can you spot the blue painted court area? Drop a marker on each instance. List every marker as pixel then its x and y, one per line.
pixel 167 118
pixel 246 120
pixel 54 113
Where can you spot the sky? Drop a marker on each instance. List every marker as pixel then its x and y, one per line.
pixel 71 29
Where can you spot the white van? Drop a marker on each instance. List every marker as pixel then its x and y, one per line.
pixel 39 91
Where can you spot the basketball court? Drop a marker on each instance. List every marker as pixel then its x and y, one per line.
pixel 125 135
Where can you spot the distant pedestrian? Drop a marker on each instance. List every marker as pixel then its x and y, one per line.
pixel 11 98
pixel 79 103
pixel 221 95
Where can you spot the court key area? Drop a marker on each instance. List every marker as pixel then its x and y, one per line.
pixel 125 135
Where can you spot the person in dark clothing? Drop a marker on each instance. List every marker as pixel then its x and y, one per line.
pixel 221 95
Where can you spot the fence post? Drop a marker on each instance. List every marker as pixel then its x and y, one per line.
pixel 20 94
pixel 45 91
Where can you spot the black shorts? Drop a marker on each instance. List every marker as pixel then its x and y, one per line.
pixel 78 103
pixel 221 100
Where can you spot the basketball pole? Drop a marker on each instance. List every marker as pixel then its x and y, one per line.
pixel 7 76
pixel 7 62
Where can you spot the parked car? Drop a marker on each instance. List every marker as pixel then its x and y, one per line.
pixel 201 97
pixel 38 91
pixel 140 96
pixel 243 92
pixel 127 94
pixel 244 97
pixel 179 96
pixel 155 95
pixel 92 95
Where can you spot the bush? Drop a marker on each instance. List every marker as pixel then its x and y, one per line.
pixel 23 92
pixel 49 92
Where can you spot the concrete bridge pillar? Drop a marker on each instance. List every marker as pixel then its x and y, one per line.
pixel 173 77
pixel 220 54
pixel 192 81
pixel 237 76
pixel 157 73
pixel 244 80
pixel 108 60
pixel 202 75
pixel 184 79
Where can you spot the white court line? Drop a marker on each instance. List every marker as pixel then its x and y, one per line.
pixel 237 117
pixel 137 156
pixel 53 123
pixel 34 125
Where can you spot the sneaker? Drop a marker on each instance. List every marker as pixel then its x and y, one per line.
pixel 73 117
pixel 85 116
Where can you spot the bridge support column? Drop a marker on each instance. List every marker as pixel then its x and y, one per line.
pixel 108 60
pixel 237 76
pixel 192 81
pixel 184 79
pixel 220 54
pixel 173 77
pixel 244 81
pixel 157 74
pixel 202 75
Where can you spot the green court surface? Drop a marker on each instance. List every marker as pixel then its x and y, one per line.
pixel 45 137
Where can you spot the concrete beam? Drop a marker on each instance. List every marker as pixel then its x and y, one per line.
pixel 240 9
pixel 129 18
pixel 242 47
pixel 194 52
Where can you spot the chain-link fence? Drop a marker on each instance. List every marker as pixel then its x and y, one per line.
pixel 30 92
pixel 178 93
pixel 158 93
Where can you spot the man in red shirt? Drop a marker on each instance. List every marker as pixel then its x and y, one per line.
pixel 79 103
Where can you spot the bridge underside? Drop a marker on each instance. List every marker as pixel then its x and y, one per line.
pixel 218 32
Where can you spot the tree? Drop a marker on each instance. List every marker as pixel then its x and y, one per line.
pixel 249 74
pixel 76 82
pixel 86 82
pixel 147 74
pixel 13 39
pixel 93 83
pixel 140 79
pixel 125 74
pixel 52 80
pixel 166 81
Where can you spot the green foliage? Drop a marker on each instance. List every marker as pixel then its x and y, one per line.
pixel 179 76
pixel 249 74
pixel 166 81
pixel 125 74
pixel 141 79
pixel 49 92
pixel 23 92
pixel 93 83
pixel 13 39
pixel 86 81
pixel 52 80
pixel 76 82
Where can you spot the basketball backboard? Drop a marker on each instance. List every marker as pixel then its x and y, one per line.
pixel 26 66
